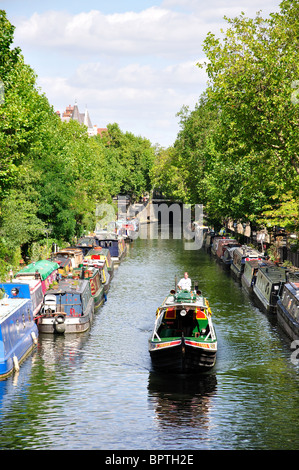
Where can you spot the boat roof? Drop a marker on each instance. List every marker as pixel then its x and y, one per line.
pixel 69 286
pixel 247 252
pixel 44 267
pixel 62 260
pixel 274 273
pixel 92 270
pixel 70 251
pixel 98 251
pixel 227 241
pixel 293 287
pixel 183 299
pixel 255 263
pixel 8 306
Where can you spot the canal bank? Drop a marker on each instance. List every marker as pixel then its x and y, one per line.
pixel 98 390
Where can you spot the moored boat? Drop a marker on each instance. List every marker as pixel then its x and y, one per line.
pixel 268 286
pixel 18 334
pixel 25 289
pixel 223 244
pixel 228 254
pixel 102 254
pixel 115 244
pixel 74 254
pixel 64 263
pixel 67 308
pixel 288 309
pixel 86 243
pixel 183 338
pixel 251 268
pixel 93 275
pixel 101 265
pixel 215 243
pixel 208 240
pixel 44 270
pixel 240 255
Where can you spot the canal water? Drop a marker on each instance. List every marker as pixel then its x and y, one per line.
pixel 97 391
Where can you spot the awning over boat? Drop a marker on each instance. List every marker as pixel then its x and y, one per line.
pixel 44 267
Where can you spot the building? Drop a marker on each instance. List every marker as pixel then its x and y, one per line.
pixel 72 112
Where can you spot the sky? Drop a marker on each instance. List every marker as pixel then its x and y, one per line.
pixel 132 62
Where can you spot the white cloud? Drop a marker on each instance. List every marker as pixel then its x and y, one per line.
pixel 136 96
pixel 153 31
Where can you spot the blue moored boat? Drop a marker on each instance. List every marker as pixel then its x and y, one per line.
pixel 67 308
pixel 25 289
pixel 18 333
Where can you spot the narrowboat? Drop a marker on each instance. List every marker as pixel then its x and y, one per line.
pixel 93 275
pixel 101 254
pixel 268 286
pixel 288 308
pixel 183 338
pixel 240 255
pixel 67 308
pixel 64 263
pixel 223 244
pixel 116 246
pixel 45 270
pixel 208 240
pixel 228 254
pixel 74 254
pixel 85 244
pixel 18 334
pixel 214 244
pixel 101 265
pixel 251 268
pixel 25 289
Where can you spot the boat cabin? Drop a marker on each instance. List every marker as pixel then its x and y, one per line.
pixel 269 283
pixel 288 309
pixel 85 244
pixel 45 270
pixel 18 333
pixel 251 268
pixel 240 255
pixel 100 254
pixel 208 240
pixel 71 297
pixel 184 314
pixel 228 253
pixel 115 245
pixel 64 262
pixel 74 254
pixel 93 275
pixel 25 289
pixel 225 243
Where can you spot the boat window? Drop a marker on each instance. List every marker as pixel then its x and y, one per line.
pixel 170 314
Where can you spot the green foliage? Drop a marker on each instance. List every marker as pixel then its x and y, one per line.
pixel 237 152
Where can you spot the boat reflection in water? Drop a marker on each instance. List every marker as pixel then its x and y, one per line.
pixel 60 352
pixel 182 399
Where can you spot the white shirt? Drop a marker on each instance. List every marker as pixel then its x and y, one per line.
pixel 185 284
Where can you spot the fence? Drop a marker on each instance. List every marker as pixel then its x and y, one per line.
pixel 286 254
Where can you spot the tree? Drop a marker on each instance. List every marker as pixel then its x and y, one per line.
pixel 252 73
